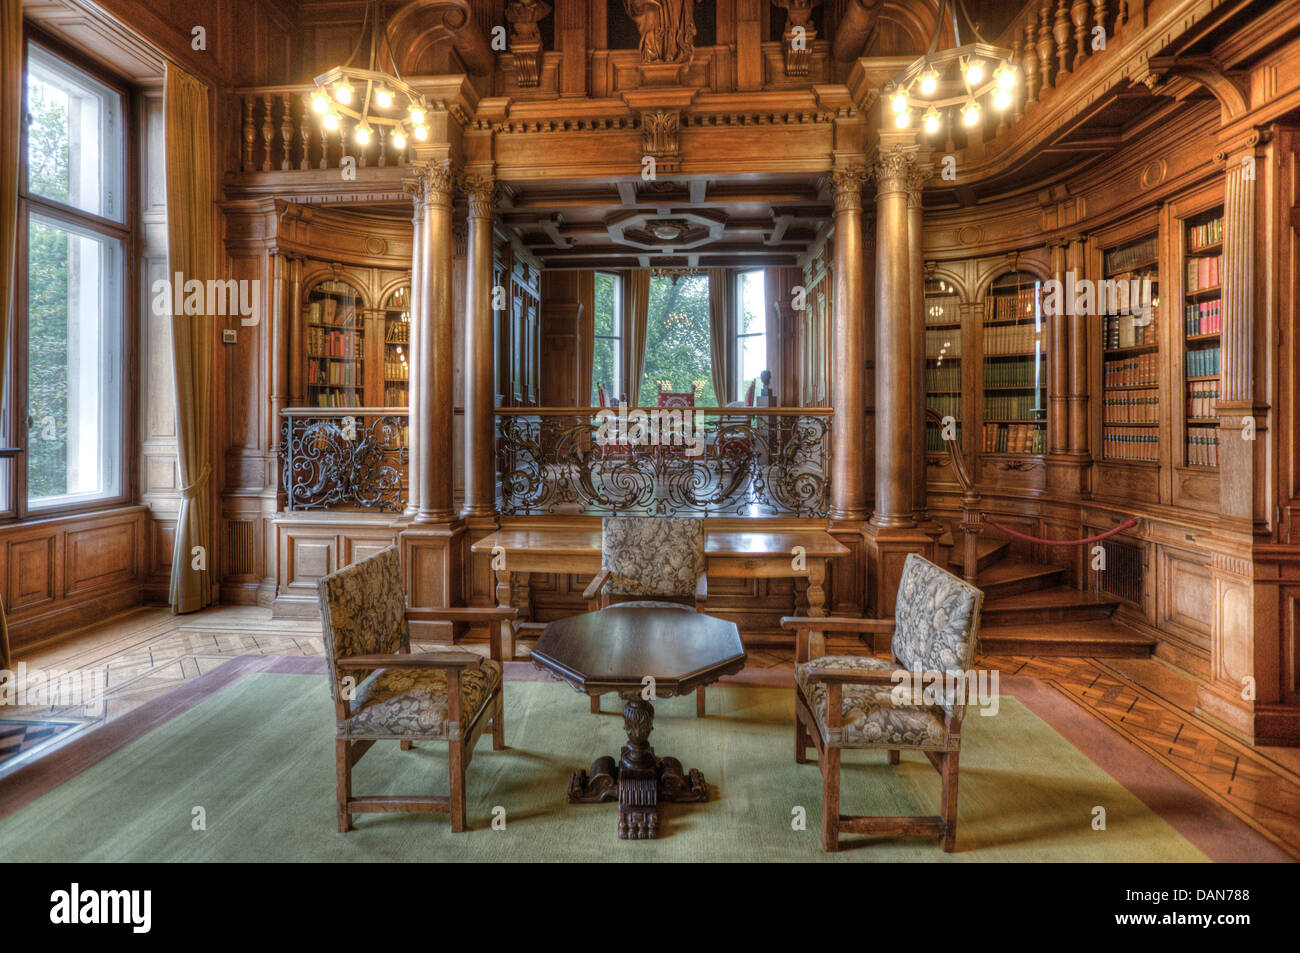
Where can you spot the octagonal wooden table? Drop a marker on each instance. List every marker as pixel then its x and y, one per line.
pixel 621 649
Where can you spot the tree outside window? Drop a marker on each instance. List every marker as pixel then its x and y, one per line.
pixel 677 354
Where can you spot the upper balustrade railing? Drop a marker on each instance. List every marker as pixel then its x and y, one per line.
pixel 695 461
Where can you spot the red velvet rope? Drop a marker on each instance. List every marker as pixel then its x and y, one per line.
pixel 1130 522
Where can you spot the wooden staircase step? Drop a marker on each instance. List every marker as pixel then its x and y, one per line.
pixel 1012 576
pixel 1096 638
pixel 988 550
pixel 1058 604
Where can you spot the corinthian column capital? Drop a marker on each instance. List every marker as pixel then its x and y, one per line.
pixel 848 181
pixel 433 183
pixel 482 193
pixel 896 170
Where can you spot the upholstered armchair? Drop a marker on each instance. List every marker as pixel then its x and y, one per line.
pixel 383 692
pixel 868 702
pixel 654 558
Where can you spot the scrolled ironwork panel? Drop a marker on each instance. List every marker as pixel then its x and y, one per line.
pixel 345 461
pixel 714 465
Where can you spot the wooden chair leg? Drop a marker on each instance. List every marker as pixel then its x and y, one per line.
pixel 895 756
pixel 406 745
pixel 595 704
pixel 456 774
pixel 831 799
pixel 948 774
pixel 499 722
pixel 801 740
pixel 343 766
pixel 699 702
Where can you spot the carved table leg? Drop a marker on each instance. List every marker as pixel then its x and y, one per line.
pixel 817 605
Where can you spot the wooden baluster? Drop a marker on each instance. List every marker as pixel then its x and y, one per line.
pixel 383 145
pixel 1100 17
pixel 250 133
pixel 304 119
pixel 1031 64
pixel 268 130
pixel 1045 44
pixel 1121 16
pixel 1061 33
pixel 286 129
pixel 362 150
pixel 1018 106
pixel 1079 14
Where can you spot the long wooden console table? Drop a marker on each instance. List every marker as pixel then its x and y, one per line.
pixel 728 554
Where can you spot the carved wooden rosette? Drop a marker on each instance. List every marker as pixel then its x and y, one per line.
pixel 661 138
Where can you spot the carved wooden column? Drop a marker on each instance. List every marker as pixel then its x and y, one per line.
pixel 437 399
pixel 416 374
pixel 283 305
pixel 848 483
pixel 1058 356
pixel 297 390
pixel 895 170
pixel 1077 331
pixel 480 460
pixel 916 284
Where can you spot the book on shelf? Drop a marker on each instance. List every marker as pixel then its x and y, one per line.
pixel 947 405
pixel 1012 339
pixel 332 374
pixel 1203 273
pixel 1010 305
pixel 1208 233
pixel 1205 317
pixel 1131 371
pixel 1023 371
pixel 1131 443
pixel 337 398
pixel 1124 330
pixel 1203 362
pixel 945 377
pixel 1203 446
pixel 934 442
pixel 395 397
pixel 1132 407
pixel 1020 407
pixel 942 311
pixel 1202 400
pixel 1014 438
pixel 1124 259
pixel 942 344
pixel 344 344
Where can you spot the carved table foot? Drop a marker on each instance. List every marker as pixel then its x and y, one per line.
pixel 639 780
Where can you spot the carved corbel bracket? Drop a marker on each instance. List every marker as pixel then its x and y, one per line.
pixel 1229 87
pixel 661 138
pixel 798 36
pixel 1244 142
pixel 526 39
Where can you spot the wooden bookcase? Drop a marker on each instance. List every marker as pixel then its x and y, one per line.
pixel 1130 350
pixel 1014 383
pixel 943 365
pixel 334 340
pixel 397 346
pixel 1202 258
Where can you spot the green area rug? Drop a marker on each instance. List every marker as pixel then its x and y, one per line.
pixel 258 757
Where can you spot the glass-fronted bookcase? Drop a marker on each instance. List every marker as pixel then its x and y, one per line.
pixel 1014 345
pixel 354 355
pixel 1129 318
pixel 943 365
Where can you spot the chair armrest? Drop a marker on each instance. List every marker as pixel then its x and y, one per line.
pixel 470 614
pixel 832 623
pixel 702 587
pixel 594 587
pixel 452 658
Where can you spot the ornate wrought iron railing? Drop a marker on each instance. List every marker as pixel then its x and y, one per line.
pixel 344 458
pixel 714 461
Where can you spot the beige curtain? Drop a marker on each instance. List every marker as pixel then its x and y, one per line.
pixel 11 109
pixel 192 252
pixel 720 336
pixel 636 308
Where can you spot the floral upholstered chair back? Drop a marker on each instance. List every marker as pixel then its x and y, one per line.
pixel 936 623
pixel 652 555
pixel 363 611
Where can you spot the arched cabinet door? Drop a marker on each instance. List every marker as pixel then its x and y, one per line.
pixel 1014 371
pixel 395 326
pixel 334 344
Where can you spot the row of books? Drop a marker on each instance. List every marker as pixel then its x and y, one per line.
pixel 395 397
pixel 336 398
pixel 942 344
pixel 1008 306
pixel 946 404
pixel 943 378
pixel 327 312
pixel 1135 407
pixel 332 374
pixel 1014 438
pixel 1203 446
pixel 1011 408
pixel 1203 272
pixel 1203 362
pixel 1131 443
pixel 1131 371
pixel 942 311
pixel 1022 373
pixel 1202 400
pixel 1012 339
pixel 1125 330
pixel 322 343
pixel 396 371
pixel 398 332
pixel 1123 259
pixel 1203 318
pixel 1211 233
pixel 934 441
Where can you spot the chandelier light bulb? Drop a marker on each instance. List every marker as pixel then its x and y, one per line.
pixel 1006 77
pixel 362 133
pixel 343 92
pixel 932 121
pixel 383 98
pixel 903 119
pixel 1001 99
pixel 929 82
pixel 974 72
pixel 331 121
pixel 970 113
pixel 320 103
pixel 398 139
pixel 417 116
pixel 899 102
pixel 422 132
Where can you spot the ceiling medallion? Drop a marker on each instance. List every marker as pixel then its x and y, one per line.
pixel 371 96
pixel 957 77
